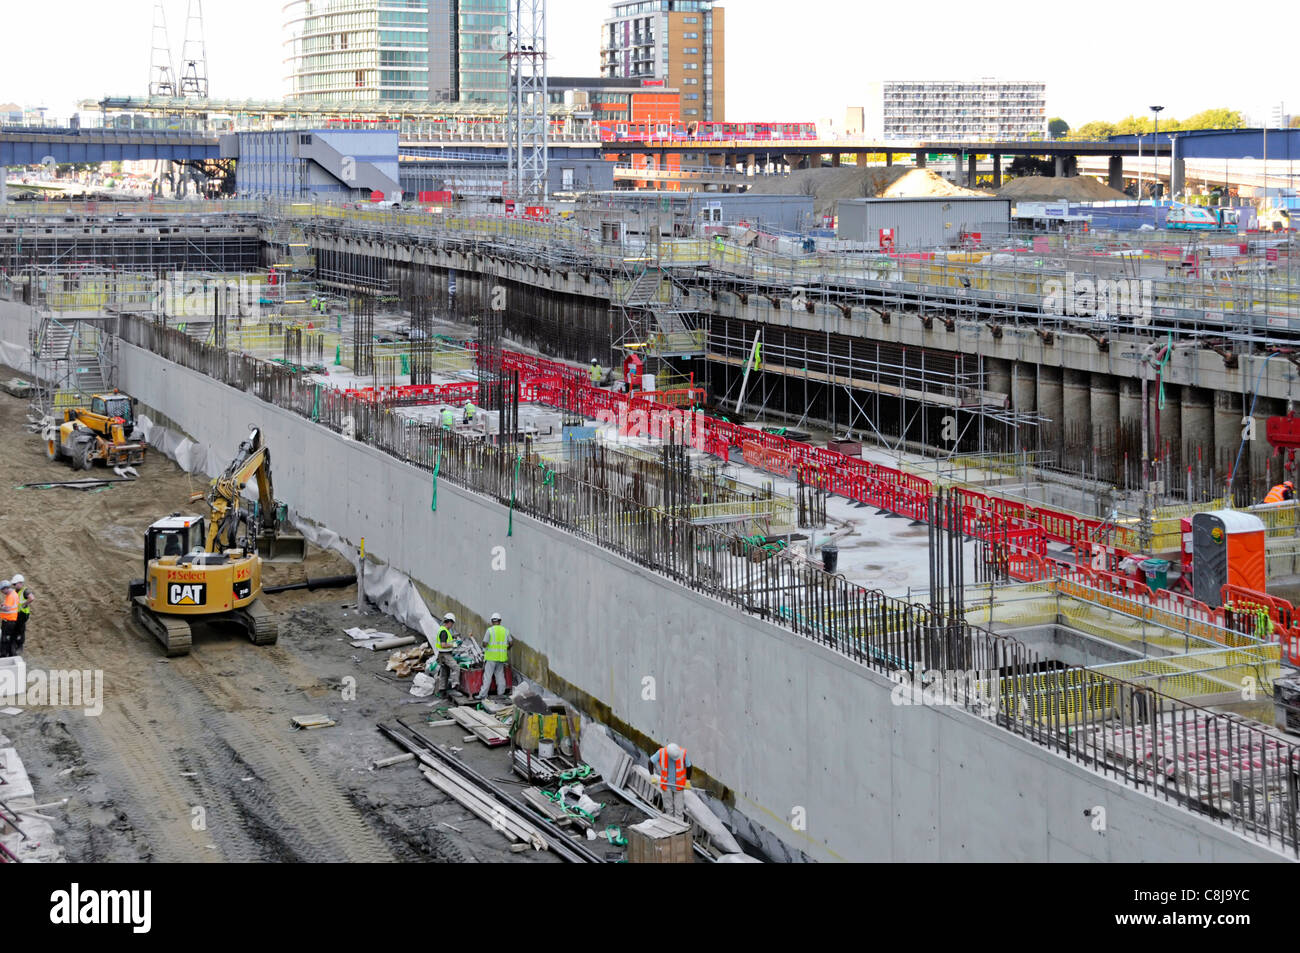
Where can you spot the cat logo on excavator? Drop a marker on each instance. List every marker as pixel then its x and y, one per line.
pixel 183 594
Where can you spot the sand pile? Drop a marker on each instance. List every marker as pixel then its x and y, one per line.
pixel 922 183
pixel 829 185
pixel 1074 188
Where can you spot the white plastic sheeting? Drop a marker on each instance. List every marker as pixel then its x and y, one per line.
pixel 189 456
pixel 16 356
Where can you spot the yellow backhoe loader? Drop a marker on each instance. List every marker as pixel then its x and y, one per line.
pixel 198 570
pixel 106 430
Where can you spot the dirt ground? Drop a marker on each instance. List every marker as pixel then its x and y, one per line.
pixel 194 758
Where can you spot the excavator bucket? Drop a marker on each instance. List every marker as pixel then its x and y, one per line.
pixel 282 547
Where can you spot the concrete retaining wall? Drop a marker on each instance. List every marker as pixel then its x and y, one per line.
pixel 802 737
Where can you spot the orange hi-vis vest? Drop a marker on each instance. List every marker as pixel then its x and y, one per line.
pixel 10 613
pixel 1277 494
pixel 679 782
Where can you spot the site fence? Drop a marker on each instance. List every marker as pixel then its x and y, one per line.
pixel 1218 765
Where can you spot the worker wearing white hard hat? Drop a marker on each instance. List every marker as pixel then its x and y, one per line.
pixel 596 373
pixel 673 768
pixel 24 612
pixel 496 655
pixel 444 663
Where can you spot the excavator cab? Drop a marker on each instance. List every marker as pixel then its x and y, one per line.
pixel 170 538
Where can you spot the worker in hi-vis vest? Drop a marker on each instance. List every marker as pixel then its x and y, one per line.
pixel 673 768
pixel 445 662
pixel 25 601
pixel 597 375
pixel 496 653
pixel 1281 492
pixel 448 419
pixel 470 411
pixel 8 617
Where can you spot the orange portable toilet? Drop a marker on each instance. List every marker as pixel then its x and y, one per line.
pixel 1227 549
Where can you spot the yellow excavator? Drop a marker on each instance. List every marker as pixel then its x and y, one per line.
pixel 105 430
pixel 198 570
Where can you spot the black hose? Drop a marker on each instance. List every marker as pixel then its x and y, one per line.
pixel 324 582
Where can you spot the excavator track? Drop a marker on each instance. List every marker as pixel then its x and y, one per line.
pixel 261 626
pixel 174 634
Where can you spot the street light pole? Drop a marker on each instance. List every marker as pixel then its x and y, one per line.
pixel 1155 151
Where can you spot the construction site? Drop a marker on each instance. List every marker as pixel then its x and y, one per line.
pixel 934 501
pixel 404 489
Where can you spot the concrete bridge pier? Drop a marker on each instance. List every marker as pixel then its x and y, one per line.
pixel 920 160
pixel 972 170
pixel 1115 173
pixel 997 172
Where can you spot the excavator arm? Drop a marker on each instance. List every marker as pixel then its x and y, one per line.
pixel 225 499
pixel 233 524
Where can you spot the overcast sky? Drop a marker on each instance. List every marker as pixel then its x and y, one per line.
pixel 1102 60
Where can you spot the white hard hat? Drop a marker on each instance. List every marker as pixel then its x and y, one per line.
pixel 6 584
pixel 594 361
pixel 496 617
pixel 674 751
pixel 18 579
pixel 449 617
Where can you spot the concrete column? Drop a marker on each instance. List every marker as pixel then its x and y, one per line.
pixel 861 159
pixel 1058 163
pixel 1178 177
pixel 1050 406
pixel 815 162
pixel 1264 469
pixel 957 171
pixel 1130 402
pixel 1115 173
pixel 997 375
pixel 889 158
pixel 837 159
pixel 1076 407
pixel 1104 395
pixel 972 170
pixel 997 172
pixel 920 160
pixel 1024 389
pixel 1227 432
pixel 1171 422
pixel 1198 428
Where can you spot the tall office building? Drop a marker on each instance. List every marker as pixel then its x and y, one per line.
pixel 955 110
pixel 680 43
pixel 397 50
